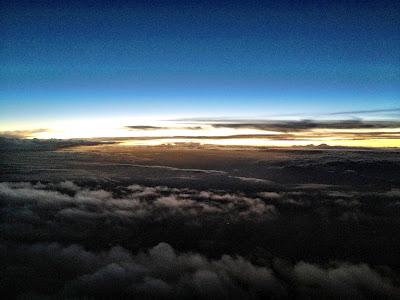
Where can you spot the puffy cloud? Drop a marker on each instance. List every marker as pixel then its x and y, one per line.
pixel 138 201
pixel 160 272
pixel 69 185
pixel 344 281
pixel 270 195
pixel 100 240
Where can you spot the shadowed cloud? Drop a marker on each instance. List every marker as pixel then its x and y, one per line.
pixel 295 126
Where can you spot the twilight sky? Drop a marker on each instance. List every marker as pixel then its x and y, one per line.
pixel 133 60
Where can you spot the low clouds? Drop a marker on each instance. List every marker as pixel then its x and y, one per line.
pixel 19 144
pixel 136 202
pixel 343 281
pixel 15 134
pixel 105 240
pixel 58 214
pixel 210 224
pixel 161 272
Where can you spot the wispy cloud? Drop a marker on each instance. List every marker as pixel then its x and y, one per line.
pixel 386 113
pixel 371 111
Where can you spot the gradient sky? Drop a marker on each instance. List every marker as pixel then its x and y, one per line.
pixel 90 59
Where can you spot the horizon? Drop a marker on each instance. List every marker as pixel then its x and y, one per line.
pixel 196 150
pixel 144 63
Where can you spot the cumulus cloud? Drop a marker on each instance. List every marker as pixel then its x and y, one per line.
pixel 164 242
pixel 162 273
pixel 145 200
pixel 343 281
pixel 69 185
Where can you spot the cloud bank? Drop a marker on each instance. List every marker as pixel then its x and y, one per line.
pixel 21 144
pixel 76 241
pixel 161 273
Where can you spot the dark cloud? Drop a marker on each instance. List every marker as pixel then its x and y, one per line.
pixel 144 127
pixel 181 222
pixel 305 136
pixel 137 216
pixel 293 126
pixel 162 273
pixel 18 144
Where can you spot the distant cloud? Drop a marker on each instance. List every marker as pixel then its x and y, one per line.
pixel 140 202
pixel 295 126
pixel 290 136
pixel 382 113
pixel 22 133
pixel 168 168
pixel 144 127
pixel 372 111
pixel 11 144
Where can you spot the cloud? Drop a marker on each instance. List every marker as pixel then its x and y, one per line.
pixel 288 130
pixel 293 135
pixel 388 112
pixel 271 195
pixel 343 281
pixel 160 272
pixel 19 144
pixel 138 201
pixel 15 134
pixel 145 127
pixel 295 126
pixel 69 185
pixel 206 171
pixel 372 111
pixel 253 180
pixel 162 242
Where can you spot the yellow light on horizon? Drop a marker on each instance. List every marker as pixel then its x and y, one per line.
pixel 168 132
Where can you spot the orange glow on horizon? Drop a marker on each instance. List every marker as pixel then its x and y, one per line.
pixel 150 132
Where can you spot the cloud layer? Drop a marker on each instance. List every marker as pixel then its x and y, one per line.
pixel 162 273
pixel 69 240
pixel 11 143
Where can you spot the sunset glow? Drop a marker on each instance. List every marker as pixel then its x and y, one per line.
pixel 200 150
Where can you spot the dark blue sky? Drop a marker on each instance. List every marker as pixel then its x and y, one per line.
pixel 190 58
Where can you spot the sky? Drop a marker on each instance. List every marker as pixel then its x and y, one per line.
pixel 128 61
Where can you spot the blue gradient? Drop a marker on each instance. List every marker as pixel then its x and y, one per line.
pixel 191 58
